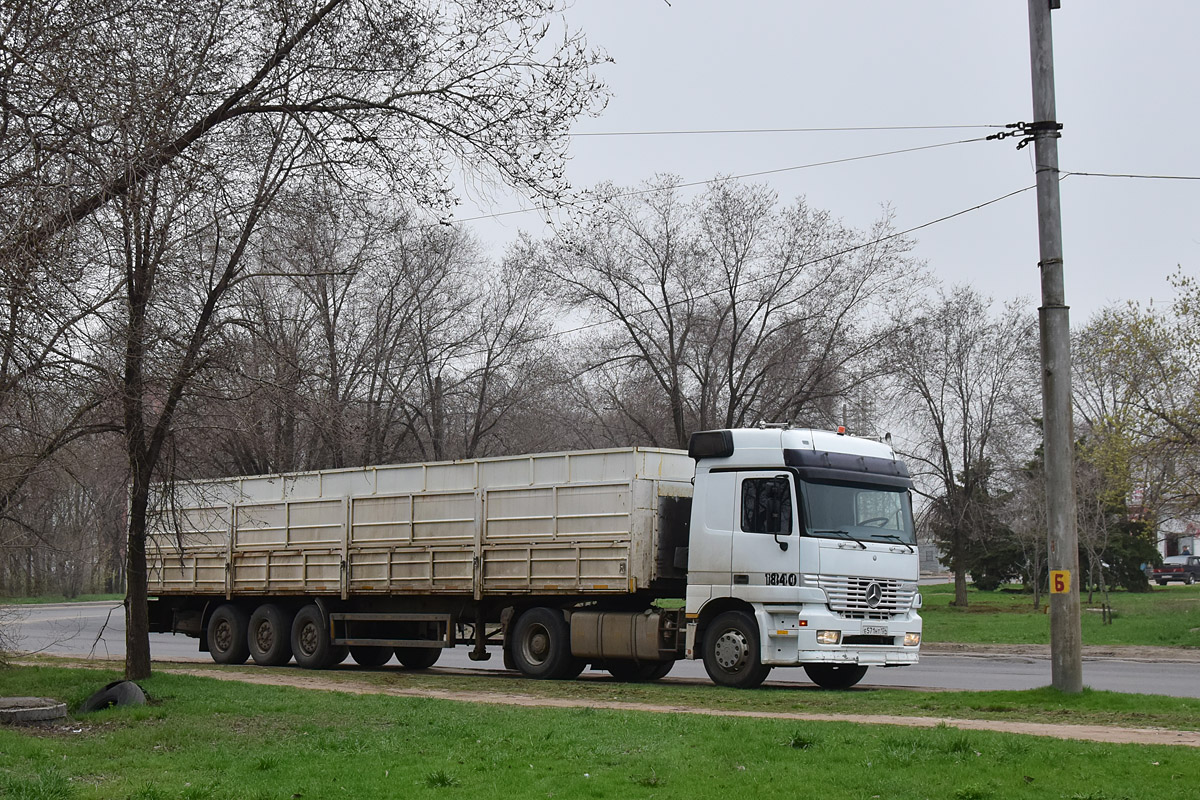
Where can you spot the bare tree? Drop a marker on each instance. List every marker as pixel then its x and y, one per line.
pixel 965 379
pixel 726 310
pixel 171 128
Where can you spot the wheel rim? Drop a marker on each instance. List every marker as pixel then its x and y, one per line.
pixel 308 639
pixel 264 636
pixel 536 647
pixel 223 636
pixel 731 650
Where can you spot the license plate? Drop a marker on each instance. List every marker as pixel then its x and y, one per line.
pixel 874 630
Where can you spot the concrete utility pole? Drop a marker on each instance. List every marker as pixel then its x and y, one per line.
pixel 1066 651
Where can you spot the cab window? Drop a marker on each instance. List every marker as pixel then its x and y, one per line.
pixel 767 505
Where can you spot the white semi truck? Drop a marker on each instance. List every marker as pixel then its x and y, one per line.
pixel 756 548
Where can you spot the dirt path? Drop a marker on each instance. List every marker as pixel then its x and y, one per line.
pixel 1093 733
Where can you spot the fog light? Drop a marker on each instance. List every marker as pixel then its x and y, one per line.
pixel 829 637
pixel 912 639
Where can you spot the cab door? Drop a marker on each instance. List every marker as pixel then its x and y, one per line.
pixel 766 540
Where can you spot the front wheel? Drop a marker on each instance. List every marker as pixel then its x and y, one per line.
pixel 731 653
pixel 835 676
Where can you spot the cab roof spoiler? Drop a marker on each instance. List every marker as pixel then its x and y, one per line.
pixel 710 444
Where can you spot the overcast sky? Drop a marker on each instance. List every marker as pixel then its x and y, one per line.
pixel 1128 88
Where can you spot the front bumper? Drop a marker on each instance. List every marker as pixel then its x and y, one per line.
pixel 790 637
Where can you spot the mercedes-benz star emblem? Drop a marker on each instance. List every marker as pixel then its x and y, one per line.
pixel 874 595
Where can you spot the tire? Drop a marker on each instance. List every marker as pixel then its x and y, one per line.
pixel 731 651
pixel 418 657
pixel 1189 580
pixel 638 672
pixel 270 636
pixel 1161 583
pixel 835 676
pixel 574 669
pixel 541 644
pixel 311 646
pixel 227 629
pixel 366 655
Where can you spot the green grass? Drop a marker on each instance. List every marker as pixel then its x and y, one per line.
pixel 1167 616
pixel 1038 705
pixel 58 598
pixel 202 738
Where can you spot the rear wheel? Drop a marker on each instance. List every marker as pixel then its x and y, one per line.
pixel 638 672
pixel 1161 583
pixel 227 632
pixel 1189 580
pixel 310 640
pixel 270 636
pixel 418 657
pixel 835 676
pixel 541 644
pixel 731 654
pixel 370 655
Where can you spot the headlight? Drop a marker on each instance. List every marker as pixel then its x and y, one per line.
pixel 829 637
pixel 912 639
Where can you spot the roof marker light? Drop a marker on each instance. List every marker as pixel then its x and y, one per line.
pixel 841 430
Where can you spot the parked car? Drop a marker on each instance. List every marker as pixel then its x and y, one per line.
pixel 1177 568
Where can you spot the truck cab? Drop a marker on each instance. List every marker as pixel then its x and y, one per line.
pixel 802 552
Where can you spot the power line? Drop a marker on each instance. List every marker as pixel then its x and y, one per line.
pixel 777 273
pixel 849 159
pixel 1131 175
pixel 724 131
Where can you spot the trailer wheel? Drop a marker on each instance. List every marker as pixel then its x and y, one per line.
pixel 227 629
pixel 541 644
pixel 310 640
pixel 270 637
pixel 638 672
pixel 835 676
pixel 418 657
pixel 731 654
pixel 366 655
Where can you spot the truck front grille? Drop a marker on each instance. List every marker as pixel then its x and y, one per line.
pixel 853 597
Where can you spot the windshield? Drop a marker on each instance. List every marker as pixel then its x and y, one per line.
pixel 862 511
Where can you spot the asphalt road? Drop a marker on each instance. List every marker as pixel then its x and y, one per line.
pixel 98 630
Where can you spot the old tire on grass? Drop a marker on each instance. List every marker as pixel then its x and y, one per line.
pixel 227 630
pixel 731 651
pixel 270 636
pixel 835 676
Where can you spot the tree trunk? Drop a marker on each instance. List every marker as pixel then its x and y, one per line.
pixel 960 586
pixel 137 619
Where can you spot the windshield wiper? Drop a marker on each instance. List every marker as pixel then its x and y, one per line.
pixel 843 534
pixel 893 537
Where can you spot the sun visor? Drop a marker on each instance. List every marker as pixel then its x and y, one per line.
pixel 821 465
